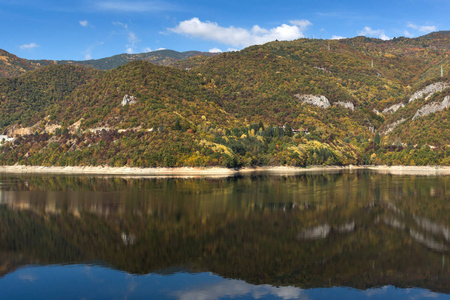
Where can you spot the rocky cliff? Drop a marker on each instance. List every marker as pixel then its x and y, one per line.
pixel 429 90
pixel 320 101
pixel 393 108
pixel 432 108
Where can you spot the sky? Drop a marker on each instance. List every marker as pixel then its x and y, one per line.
pixel 92 29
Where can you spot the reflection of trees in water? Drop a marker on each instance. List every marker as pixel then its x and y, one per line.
pixel 309 230
pixel 209 195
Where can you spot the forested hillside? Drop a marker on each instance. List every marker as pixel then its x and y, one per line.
pixel 26 99
pixel 11 65
pixel 305 102
pixel 159 57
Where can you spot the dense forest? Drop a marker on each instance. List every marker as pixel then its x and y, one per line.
pixel 298 103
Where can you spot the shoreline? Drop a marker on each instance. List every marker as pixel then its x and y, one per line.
pixel 219 171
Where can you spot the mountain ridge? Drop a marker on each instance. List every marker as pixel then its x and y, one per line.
pixel 163 57
pixel 12 65
pixel 245 108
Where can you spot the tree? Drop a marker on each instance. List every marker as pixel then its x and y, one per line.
pixel 177 125
pixel 288 130
pixel 377 139
pixel 261 125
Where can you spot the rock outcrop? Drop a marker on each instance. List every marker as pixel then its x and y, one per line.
pixel 320 101
pixel 322 69
pixel 429 90
pixel 393 108
pixel 392 126
pixel 5 139
pixel 18 130
pixel 432 108
pixel 128 100
pixel 347 105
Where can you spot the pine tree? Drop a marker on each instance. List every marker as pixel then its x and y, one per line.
pixel 377 139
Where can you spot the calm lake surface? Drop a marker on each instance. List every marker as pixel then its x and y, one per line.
pixel 350 235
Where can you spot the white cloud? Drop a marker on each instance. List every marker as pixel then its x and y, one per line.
pixel 132 38
pixel 148 49
pixel 426 28
pixel 379 33
pixel 136 7
pixel 215 50
pixel 88 52
pixel 408 34
pixel 302 24
pixel 120 24
pixel 84 23
pixel 236 36
pixel 159 49
pixel 29 46
pixel 232 49
pixel 337 37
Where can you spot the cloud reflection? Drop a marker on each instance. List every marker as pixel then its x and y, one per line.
pixel 375 292
pixel 424 295
pixel 428 294
pixel 237 288
pixel 28 277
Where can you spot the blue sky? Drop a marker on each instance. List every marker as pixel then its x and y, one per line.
pixel 84 29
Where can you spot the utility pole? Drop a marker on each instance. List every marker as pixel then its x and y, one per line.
pixel 442 71
pixel 372 63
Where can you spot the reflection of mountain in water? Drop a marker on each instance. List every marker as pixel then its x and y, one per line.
pixel 432 235
pixel 359 230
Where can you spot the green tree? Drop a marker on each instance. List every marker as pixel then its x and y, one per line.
pixel 288 130
pixel 377 139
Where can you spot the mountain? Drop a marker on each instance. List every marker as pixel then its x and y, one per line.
pixel 164 104
pixel 370 74
pixel 302 102
pixel 27 97
pixel 161 95
pixel 11 65
pixel 159 57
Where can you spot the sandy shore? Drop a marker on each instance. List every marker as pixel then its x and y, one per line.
pixel 411 170
pixel 220 172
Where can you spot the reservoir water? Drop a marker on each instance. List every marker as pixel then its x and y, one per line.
pixel 343 235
